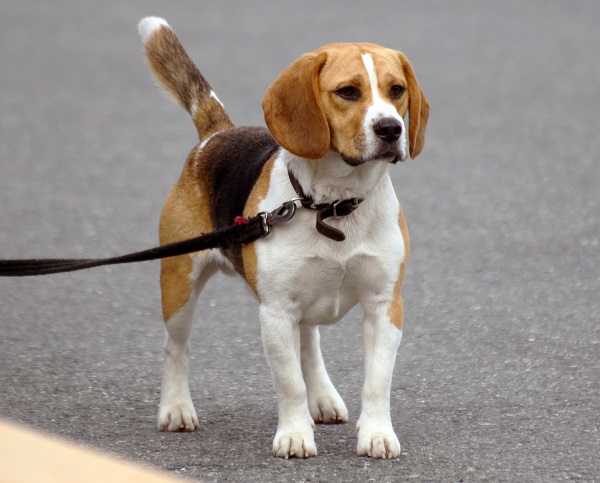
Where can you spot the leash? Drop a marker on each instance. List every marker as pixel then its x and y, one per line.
pixel 241 232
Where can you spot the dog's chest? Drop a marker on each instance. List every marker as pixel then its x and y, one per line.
pixel 321 286
pixel 318 279
pixel 322 290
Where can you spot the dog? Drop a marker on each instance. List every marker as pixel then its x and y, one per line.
pixel 335 122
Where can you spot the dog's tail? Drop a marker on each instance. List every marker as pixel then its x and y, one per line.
pixel 178 75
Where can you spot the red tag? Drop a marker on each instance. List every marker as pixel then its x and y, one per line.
pixel 240 220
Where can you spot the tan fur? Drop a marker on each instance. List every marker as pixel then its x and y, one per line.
pixel 258 193
pixel 293 110
pixel 185 215
pixel 344 118
pixel 418 107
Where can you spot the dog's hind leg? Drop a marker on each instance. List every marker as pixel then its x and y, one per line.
pixel 324 402
pixel 179 296
pixel 182 279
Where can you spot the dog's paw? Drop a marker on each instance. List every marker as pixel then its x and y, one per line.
pixel 327 408
pixel 294 442
pixel 377 441
pixel 177 417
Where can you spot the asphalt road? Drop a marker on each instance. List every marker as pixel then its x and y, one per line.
pixel 498 374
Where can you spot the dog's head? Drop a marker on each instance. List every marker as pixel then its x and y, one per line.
pixel 350 98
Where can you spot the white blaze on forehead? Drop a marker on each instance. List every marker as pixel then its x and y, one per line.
pixel 377 110
pixel 370 66
pixel 379 107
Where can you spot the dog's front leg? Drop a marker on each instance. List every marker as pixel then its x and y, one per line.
pixel 281 340
pixel 376 437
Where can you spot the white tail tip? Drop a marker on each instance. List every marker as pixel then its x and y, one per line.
pixel 149 25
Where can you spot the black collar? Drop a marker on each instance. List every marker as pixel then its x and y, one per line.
pixel 326 210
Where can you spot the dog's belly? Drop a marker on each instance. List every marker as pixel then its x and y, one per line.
pixel 323 291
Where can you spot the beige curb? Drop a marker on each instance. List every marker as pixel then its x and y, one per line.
pixel 27 456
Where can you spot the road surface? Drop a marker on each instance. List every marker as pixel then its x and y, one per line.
pixel 497 377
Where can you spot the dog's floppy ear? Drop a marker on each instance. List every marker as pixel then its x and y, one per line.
pixel 418 109
pixel 293 108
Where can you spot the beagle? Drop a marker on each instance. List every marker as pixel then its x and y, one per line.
pixel 335 125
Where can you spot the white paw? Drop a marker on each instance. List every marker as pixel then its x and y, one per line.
pixel 327 408
pixel 377 441
pixel 177 417
pixel 294 442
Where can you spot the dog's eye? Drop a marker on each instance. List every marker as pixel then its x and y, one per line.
pixel 350 93
pixel 397 91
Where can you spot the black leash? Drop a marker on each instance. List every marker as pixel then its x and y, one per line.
pixel 243 231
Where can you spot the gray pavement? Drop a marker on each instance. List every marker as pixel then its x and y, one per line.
pixel 498 374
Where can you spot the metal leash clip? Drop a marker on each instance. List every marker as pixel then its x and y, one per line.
pixel 279 215
pixel 282 214
pixel 265 224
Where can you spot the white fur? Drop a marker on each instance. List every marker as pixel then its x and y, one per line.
pixel 197 152
pixel 376 437
pixel 149 25
pixel 330 179
pixel 214 96
pixel 176 408
pixel 378 110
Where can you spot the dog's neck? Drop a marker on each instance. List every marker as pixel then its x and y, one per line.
pixel 331 179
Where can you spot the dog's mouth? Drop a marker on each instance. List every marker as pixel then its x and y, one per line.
pixel 391 156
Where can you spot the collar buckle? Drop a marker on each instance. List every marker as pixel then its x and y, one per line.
pixel 334 205
pixel 325 210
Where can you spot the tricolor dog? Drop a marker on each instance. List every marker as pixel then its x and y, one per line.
pixel 335 127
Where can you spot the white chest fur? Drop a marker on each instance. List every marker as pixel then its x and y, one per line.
pixel 318 280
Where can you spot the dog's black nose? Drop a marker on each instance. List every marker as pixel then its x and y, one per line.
pixel 388 129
